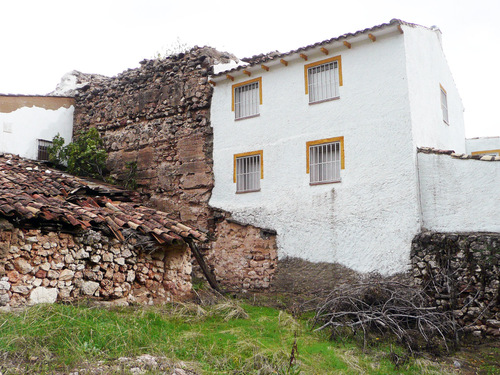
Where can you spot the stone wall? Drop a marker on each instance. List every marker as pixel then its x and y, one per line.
pixel 158 117
pixel 243 257
pixel 461 271
pixel 44 267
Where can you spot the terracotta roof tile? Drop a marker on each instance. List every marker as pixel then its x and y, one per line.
pixel 31 192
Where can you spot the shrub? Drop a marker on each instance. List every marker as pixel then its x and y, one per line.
pixel 85 156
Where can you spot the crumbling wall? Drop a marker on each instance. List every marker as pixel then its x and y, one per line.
pixel 461 271
pixel 44 267
pixel 156 119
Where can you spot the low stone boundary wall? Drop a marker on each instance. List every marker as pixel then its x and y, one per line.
pixel 44 267
pixel 461 271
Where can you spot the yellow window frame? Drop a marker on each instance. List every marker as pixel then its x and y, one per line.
pixel 323 141
pixel 233 87
pixel 338 59
pixel 251 153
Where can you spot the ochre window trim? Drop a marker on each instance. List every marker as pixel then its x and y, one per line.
pixel 321 62
pixel 485 152
pixel 259 80
pixel 251 153
pixel 322 141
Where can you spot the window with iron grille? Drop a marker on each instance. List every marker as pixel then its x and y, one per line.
pixel 43 149
pixel 247 98
pixel 323 82
pixel 248 171
pixel 444 104
pixel 325 159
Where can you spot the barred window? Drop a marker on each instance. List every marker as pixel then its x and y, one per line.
pixel 444 104
pixel 323 82
pixel 246 100
pixel 43 149
pixel 325 159
pixel 248 172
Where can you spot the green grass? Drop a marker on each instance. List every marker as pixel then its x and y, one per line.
pixel 226 338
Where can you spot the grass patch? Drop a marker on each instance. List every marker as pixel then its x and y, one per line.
pixel 224 338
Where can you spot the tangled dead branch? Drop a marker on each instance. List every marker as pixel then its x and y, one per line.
pixel 378 307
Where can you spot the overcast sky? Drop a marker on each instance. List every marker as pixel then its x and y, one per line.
pixel 43 39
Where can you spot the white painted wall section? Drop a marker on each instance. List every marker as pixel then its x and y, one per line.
pixel 483 144
pixel 459 194
pixel 21 129
pixel 427 69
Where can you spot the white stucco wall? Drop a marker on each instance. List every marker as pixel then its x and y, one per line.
pixel 482 144
pixel 427 69
pixel 366 221
pixel 20 129
pixel 459 195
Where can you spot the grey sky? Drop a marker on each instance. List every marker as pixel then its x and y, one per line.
pixel 42 40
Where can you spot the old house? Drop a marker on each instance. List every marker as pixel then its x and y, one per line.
pixel 62 238
pixel 321 145
pixel 333 153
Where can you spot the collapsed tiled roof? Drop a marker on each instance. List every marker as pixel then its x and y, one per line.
pixel 32 194
pixel 263 58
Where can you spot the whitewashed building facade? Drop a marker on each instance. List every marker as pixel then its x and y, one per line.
pixel 320 143
pixel 28 123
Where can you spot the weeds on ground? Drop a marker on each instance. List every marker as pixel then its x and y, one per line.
pixel 224 337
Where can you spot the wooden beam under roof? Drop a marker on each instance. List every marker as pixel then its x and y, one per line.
pixel 212 83
pixel 324 50
pixel 372 37
pixel 347 44
pixel 304 56
pixel 284 62
pixel 247 72
pixel 265 67
pixel 229 76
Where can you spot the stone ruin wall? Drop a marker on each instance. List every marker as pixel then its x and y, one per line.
pixel 461 272
pixel 158 116
pixel 40 267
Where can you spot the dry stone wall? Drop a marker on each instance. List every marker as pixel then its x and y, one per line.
pixel 44 267
pixel 461 271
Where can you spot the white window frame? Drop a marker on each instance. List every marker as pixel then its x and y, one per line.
pixel 325 160
pixel 247 96
pixel 323 80
pixel 444 105
pixel 248 171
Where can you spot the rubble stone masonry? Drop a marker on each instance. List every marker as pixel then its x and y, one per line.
pixel 44 267
pixel 461 272
pixel 158 118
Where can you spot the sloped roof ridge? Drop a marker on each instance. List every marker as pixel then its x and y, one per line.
pixel 262 58
pixel 452 153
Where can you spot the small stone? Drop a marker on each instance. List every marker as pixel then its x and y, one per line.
pixel 66 275
pixel 22 266
pixel 43 295
pixel 89 287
